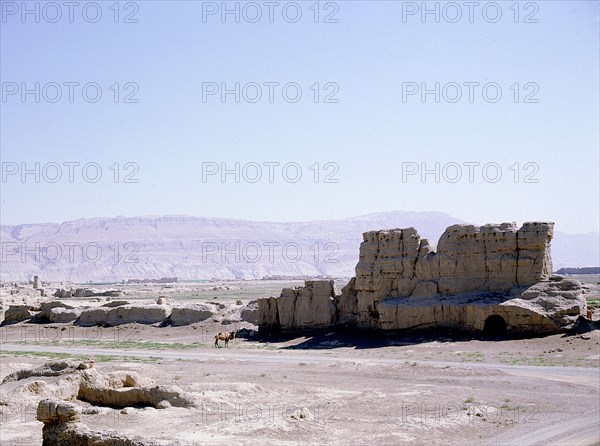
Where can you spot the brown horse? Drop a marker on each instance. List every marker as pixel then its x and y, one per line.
pixel 224 336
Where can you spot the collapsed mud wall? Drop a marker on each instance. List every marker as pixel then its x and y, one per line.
pixel 63 426
pixel 296 308
pixel 400 281
pixel 496 258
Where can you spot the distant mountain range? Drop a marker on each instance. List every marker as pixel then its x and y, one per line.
pixel 115 249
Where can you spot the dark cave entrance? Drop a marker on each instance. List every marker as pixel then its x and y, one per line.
pixel 494 326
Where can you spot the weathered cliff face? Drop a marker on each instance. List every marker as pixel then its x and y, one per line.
pixel 397 263
pixel 303 307
pixel 544 308
pixel 63 426
pixel 476 272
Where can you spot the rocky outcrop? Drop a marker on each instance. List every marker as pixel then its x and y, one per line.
pixel 250 313
pixel 544 308
pixel 56 312
pixel 301 307
pixel 114 313
pixel 496 258
pixel 90 317
pixel 127 390
pixel 90 292
pixel 141 314
pixel 476 272
pixel 560 299
pixel 123 314
pixel 116 303
pixel 46 307
pixel 191 314
pixel 56 411
pixel 63 315
pixel 346 304
pixel 56 387
pixel 118 389
pixel 54 368
pixel 16 313
pixel 84 292
pixel 62 427
pixel 62 293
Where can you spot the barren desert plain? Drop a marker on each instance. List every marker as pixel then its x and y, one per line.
pixel 298 223
pixel 318 387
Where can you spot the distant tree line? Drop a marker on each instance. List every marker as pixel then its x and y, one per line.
pixel 584 270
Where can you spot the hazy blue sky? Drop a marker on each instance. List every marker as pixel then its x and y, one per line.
pixel 367 58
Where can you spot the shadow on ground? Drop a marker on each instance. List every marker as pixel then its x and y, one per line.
pixel 347 337
pixel 323 339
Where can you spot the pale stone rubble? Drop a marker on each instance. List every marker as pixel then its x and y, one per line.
pixel 249 313
pixel 127 389
pixel 93 307
pixel 84 292
pixel 304 307
pixel 191 314
pixel 119 312
pixel 63 426
pixel 476 272
pixel 16 313
pixel 69 389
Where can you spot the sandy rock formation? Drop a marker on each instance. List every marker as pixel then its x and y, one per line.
pixel 299 307
pixel 51 410
pixel 55 311
pixel 16 313
pixel 91 292
pixel 123 314
pixel 46 307
pixel 546 307
pixel 497 258
pixel 54 389
pixel 118 389
pixel 62 427
pixel 54 368
pixel 250 313
pixel 476 273
pixel 116 313
pixel 84 292
pixel 191 314
pixel 90 317
pixel 346 304
pixel 121 379
pixel 63 315
pixel 559 299
pixel 240 313
pixel 115 303
pixel 63 293
pixel 141 314
pixel 127 390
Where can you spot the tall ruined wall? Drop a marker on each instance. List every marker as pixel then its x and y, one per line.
pixel 303 307
pixel 497 258
pixel 398 272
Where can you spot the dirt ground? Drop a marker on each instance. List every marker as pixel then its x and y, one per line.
pixel 326 387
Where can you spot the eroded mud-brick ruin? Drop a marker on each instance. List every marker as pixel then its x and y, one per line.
pixel 492 278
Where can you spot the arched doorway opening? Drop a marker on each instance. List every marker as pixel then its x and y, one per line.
pixel 494 325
